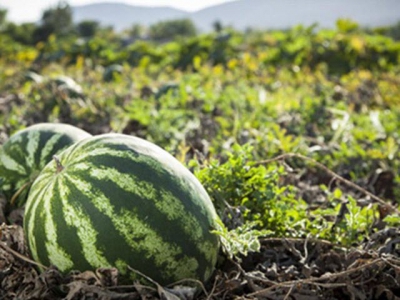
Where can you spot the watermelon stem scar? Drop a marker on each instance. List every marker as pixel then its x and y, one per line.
pixel 58 163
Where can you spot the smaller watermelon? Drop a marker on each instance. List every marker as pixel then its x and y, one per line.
pixel 27 151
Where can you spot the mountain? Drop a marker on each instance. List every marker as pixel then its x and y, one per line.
pixel 286 13
pixel 122 16
pixel 243 14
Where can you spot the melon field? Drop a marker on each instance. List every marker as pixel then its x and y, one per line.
pixel 294 134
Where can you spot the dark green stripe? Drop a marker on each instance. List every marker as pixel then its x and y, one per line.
pixel 43 138
pixel 62 142
pixel 39 229
pixel 67 237
pixel 17 151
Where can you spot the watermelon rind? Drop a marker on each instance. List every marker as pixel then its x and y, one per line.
pixel 115 200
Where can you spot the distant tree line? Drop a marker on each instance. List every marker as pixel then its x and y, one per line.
pixel 58 21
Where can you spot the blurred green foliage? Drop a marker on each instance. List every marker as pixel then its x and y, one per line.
pixel 166 30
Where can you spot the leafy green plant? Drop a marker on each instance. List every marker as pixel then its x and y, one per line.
pixel 249 194
pixel 242 189
pixel 241 240
pixel 344 221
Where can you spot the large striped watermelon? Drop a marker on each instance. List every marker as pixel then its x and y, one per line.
pixel 27 151
pixel 119 201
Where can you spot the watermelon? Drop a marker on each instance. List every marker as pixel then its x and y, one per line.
pixel 27 151
pixel 115 200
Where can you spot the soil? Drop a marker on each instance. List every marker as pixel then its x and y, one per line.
pixel 284 269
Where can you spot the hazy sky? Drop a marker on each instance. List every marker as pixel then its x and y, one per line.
pixel 31 10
